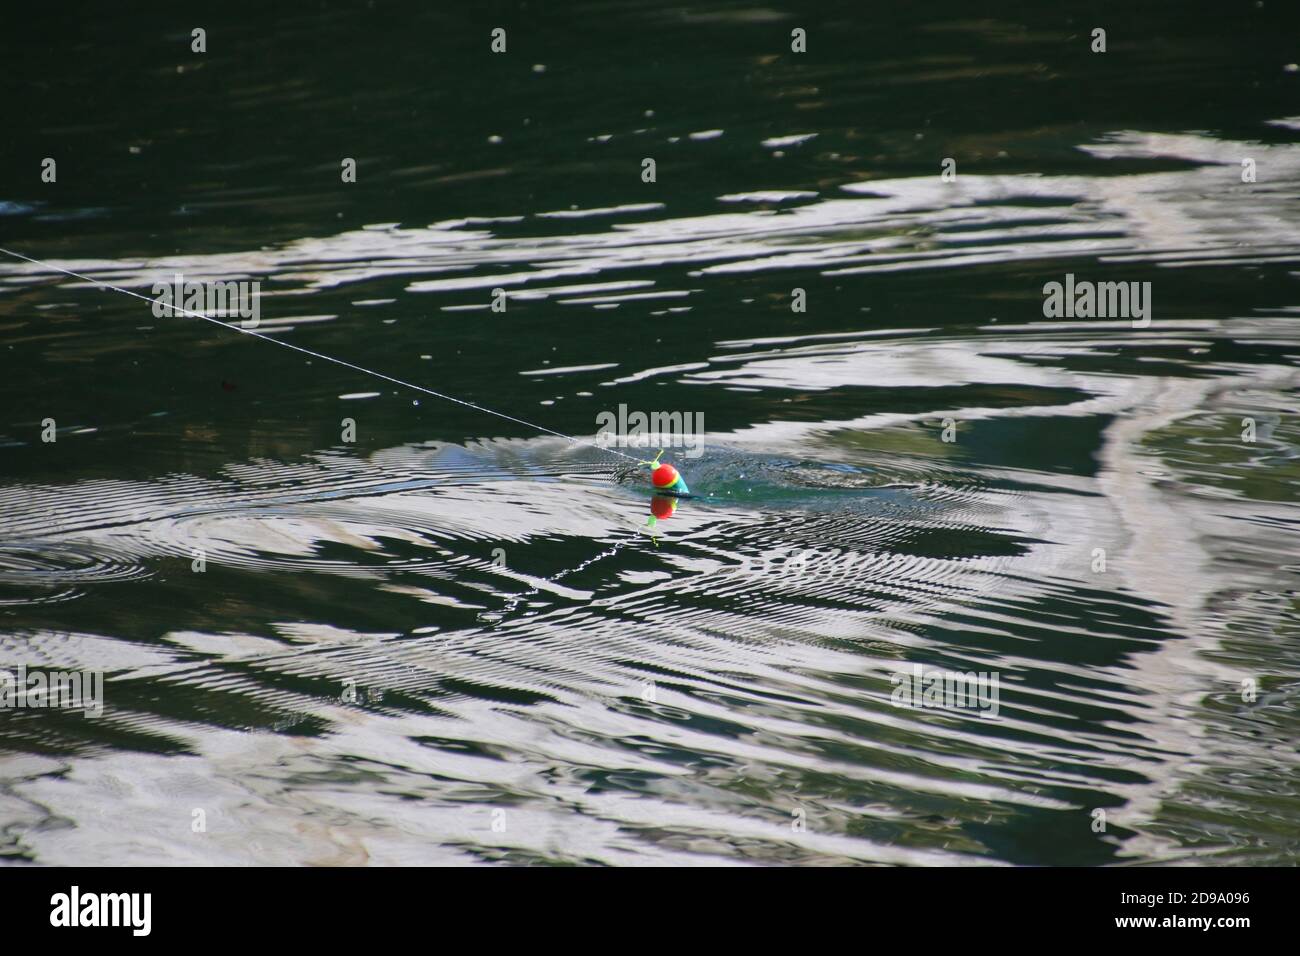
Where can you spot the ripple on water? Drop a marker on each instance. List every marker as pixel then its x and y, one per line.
pixel 47 572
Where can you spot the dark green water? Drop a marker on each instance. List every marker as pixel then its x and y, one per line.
pixel 453 640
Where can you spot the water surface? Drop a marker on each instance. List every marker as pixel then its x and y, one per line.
pixel 455 640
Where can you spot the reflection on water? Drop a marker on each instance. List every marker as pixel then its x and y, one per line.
pixel 355 652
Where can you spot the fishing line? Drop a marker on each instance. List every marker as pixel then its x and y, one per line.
pixel 327 358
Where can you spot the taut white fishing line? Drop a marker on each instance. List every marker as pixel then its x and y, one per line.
pixel 323 357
